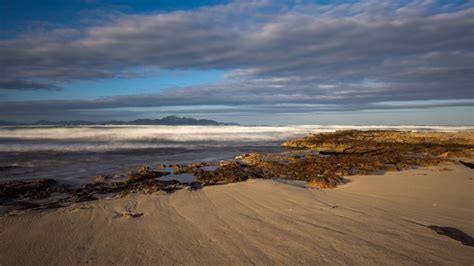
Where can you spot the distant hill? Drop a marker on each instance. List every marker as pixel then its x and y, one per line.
pixel 169 120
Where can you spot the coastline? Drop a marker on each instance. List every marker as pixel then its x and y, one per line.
pixel 372 219
pixel 347 197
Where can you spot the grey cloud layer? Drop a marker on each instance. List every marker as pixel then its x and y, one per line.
pixel 348 54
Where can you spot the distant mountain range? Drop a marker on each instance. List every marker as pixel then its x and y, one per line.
pixel 169 120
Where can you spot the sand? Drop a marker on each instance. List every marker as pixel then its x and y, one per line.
pixel 376 219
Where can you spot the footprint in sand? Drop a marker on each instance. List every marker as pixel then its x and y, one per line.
pixel 130 212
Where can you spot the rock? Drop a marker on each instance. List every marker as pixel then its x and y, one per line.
pixel 229 172
pixel 467 164
pixel 81 198
pixel 102 178
pixel 145 173
pixel 194 186
pixel 224 163
pixel 318 183
pixel 35 189
pixel 454 233
pixel 199 164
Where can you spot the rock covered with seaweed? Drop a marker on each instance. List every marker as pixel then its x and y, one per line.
pixel 322 160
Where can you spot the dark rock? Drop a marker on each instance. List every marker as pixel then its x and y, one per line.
pixel 35 189
pixel 229 172
pixel 467 164
pixel 454 233
pixel 145 173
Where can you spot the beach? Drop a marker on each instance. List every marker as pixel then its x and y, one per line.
pixel 373 219
pixel 233 132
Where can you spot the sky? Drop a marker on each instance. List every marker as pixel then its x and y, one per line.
pixel 249 62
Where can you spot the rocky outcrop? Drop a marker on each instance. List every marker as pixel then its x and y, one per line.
pixel 31 194
pixel 353 141
pixel 229 172
pixel 322 160
pixel 35 189
pixel 145 173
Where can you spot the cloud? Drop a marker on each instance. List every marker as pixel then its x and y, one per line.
pixel 7 84
pixel 351 54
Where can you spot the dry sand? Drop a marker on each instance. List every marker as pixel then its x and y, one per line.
pixel 371 220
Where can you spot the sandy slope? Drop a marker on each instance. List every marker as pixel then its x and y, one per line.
pixel 372 220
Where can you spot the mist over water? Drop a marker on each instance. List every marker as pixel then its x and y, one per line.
pixel 78 153
pixel 109 138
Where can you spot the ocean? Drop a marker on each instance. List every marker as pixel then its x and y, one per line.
pixel 76 154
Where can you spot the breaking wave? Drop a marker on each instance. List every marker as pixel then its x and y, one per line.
pixel 106 138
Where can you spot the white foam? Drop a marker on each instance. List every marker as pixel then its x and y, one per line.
pixel 100 138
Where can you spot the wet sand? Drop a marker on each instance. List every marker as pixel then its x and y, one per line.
pixel 376 219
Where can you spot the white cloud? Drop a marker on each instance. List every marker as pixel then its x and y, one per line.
pixel 353 55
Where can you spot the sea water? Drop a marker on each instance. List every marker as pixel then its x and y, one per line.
pixel 76 154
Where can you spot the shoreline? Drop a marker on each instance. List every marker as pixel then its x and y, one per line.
pixel 321 160
pixel 372 219
pixel 348 197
